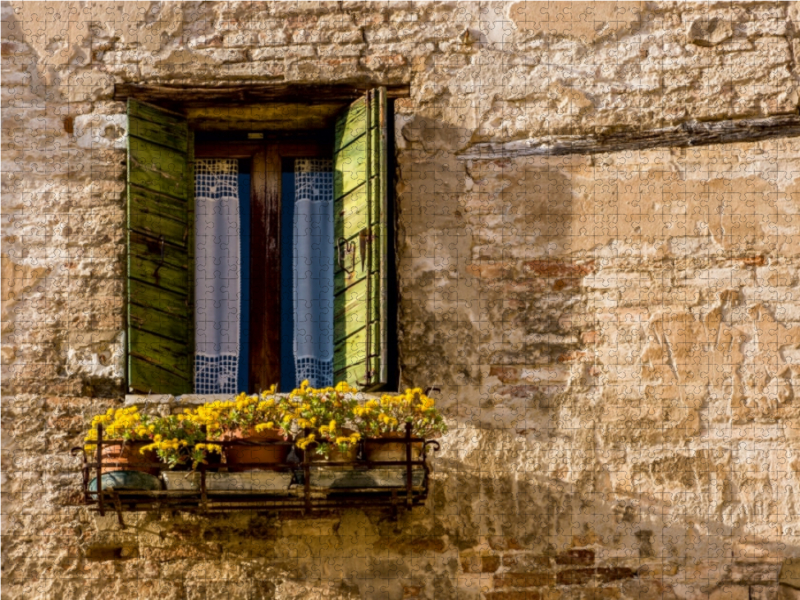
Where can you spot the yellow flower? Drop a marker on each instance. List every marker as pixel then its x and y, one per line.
pixel 344 388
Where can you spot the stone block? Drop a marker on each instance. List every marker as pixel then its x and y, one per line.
pixel 486 563
pixel 575 557
pixel 530 579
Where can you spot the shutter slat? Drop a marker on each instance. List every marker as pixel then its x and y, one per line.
pixel 163 134
pixel 351 213
pixel 160 278
pixel 155 225
pixel 360 196
pixel 149 248
pixel 352 350
pixel 150 378
pixel 158 299
pixel 156 168
pixel 155 321
pixel 143 200
pixel 351 168
pixel 350 312
pixel 351 124
pixel 171 355
pixel 151 270
pixel 156 114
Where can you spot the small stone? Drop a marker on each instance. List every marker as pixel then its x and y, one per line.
pixel 710 32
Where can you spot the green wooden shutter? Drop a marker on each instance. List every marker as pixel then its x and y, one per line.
pixel 360 225
pixel 160 248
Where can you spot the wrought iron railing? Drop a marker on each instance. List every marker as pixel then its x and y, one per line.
pixel 405 486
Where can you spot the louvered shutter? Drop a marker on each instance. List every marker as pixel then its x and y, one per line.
pixel 160 243
pixel 360 225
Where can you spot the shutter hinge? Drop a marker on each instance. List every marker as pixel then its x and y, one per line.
pixel 368 377
pixel 363 236
pixel 163 256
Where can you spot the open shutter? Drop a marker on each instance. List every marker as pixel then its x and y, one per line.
pixel 160 244
pixel 360 224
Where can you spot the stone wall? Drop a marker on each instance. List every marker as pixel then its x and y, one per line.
pixel 616 336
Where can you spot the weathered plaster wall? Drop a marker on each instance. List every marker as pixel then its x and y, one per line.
pixel 616 335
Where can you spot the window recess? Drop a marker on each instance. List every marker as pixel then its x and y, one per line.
pixel 165 161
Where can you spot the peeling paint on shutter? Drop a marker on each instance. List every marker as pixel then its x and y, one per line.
pixel 360 225
pixel 160 241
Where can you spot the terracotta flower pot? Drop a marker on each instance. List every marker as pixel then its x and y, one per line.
pixel 389 452
pixel 247 458
pixel 334 454
pixel 128 457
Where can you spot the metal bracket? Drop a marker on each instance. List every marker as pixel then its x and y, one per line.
pixel 163 255
pixel 341 255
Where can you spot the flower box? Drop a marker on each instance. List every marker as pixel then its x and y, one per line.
pixel 247 482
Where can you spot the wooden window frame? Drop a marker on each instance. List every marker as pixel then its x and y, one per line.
pixel 266 155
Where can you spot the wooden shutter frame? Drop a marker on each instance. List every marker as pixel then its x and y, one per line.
pixel 372 223
pixel 144 127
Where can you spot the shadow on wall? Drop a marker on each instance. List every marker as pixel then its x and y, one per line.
pixel 494 522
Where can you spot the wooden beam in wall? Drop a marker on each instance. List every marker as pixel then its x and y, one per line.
pixel 198 96
pixel 685 135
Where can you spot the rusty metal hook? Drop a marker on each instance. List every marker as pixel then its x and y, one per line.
pixel 341 256
pixel 163 254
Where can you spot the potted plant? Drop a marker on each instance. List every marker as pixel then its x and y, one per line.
pixel 180 442
pixel 325 416
pixel 133 464
pixel 257 419
pixel 387 418
pixel 133 429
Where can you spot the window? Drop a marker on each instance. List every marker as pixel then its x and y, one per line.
pixel 234 311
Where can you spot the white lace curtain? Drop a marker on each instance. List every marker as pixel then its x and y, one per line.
pixel 313 272
pixel 217 251
pixel 218 274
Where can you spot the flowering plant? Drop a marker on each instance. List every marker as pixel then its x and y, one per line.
pixel 178 439
pixel 325 419
pixel 259 413
pixel 391 413
pixel 118 423
pixel 326 411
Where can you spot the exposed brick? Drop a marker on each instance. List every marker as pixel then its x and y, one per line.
pixel 615 573
pixel 571 356
pixel 601 593
pixel 590 337
pixel 525 560
pixel 411 592
pixel 504 373
pixel 575 576
pixel 420 545
pixel 557 268
pixel 500 542
pixel 753 261
pixel 515 595
pixel 530 579
pixel 490 270
pixel 576 557
pixel 480 564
